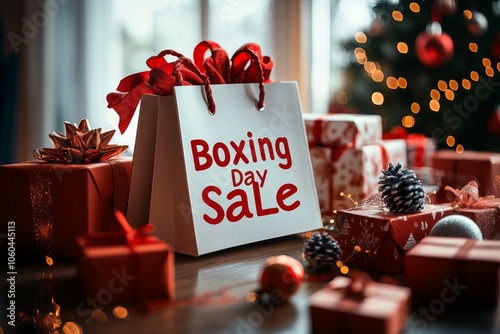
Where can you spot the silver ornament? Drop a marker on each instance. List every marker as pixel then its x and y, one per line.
pixel 456 226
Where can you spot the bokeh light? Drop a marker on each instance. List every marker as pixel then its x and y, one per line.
pixel 377 98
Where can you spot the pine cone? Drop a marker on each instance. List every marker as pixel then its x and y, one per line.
pixel 401 190
pixel 321 251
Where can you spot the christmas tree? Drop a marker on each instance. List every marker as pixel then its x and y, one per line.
pixel 432 67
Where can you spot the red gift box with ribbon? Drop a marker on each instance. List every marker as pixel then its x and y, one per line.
pixel 460 169
pixel 126 265
pixel 51 204
pixel 419 148
pixel 345 307
pixel 342 130
pixel 378 240
pixel 74 190
pixel 458 269
pixel 352 171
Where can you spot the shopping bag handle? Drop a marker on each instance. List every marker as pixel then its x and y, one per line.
pixel 260 105
pixel 188 63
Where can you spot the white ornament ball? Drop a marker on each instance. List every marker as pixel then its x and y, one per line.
pixel 478 24
pixel 456 226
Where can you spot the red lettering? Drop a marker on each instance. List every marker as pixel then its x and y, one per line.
pixel 240 200
pixel 213 204
pixel 258 203
pixel 226 158
pixel 238 151
pixel 199 147
pixel 284 192
pixel 241 205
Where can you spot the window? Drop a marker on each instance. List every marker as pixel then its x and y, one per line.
pixel 84 49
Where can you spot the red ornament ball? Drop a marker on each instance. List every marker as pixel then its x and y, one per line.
pixel 494 122
pixel 434 50
pixel 495 48
pixel 281 277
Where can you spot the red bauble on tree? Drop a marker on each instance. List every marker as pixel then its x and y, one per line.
pixel 433 47
pixel 495 48
pixel 444 7
pixel 494 122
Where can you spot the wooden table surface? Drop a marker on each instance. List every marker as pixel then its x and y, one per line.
pixel 235 271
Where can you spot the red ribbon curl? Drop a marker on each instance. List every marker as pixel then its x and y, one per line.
pixel 247 65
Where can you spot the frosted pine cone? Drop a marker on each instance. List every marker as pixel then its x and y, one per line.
pixel 401 191
pixel 321 251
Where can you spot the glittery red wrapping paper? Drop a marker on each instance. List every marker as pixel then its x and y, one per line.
pixel 114 272
pixel 82 202
pixel 383 308
pixel 456 268
pixel 488 221
pixel 460 169
pixel 384 237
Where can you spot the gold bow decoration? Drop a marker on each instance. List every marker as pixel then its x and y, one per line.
pixel 80 145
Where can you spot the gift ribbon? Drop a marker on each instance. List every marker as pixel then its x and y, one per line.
pixel 42 203
pixel 120 185
pixel 41 208
pixel 246 66
pixel 318 132
pixel 357 286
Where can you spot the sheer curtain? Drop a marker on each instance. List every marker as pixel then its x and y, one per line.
pixel 84 48
pixel 64 67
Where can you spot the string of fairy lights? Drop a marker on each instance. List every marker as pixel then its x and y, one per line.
pixel 443 89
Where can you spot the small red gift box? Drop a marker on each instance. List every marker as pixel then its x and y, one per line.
pixel 116 267
pixel 380 308
pixel 447 268
pixel 51 204
pixel 342 130
pixel 383 238
pixel 355 170
pixel 460 169
pixel 419 148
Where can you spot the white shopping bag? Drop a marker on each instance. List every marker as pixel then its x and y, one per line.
pixel 214 181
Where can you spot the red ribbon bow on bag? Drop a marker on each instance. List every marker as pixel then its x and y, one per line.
pixel 247 65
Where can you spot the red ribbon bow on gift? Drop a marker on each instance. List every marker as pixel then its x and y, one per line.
pixel 247 65
pixel 125 234
pixel 132 235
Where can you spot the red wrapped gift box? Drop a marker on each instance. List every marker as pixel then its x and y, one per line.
pixel 488 220
pixel 342 130
pixel 419 150
pixel 384 237
pixel 447 268
pixel 113 271
pixel 460 169
pixel 76 199
pixel 322 169
pixel 353 171
pixel 382 308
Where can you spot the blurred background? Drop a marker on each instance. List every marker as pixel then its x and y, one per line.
pixel 60 58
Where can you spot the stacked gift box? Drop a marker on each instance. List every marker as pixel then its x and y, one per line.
pixel 474 174
pixel 348 155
